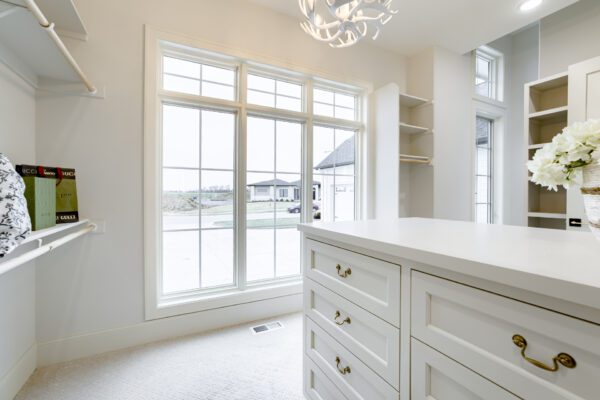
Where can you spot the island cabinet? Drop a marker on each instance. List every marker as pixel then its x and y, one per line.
pixel 440 310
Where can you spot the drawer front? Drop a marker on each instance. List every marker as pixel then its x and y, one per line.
pixel 476 328
pixel 437 377
pixel 316 385
pixel 374 341
pixel 371 283
pixel 354 379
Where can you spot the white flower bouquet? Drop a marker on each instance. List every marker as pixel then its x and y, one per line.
pixel 561 162
pixel 573 157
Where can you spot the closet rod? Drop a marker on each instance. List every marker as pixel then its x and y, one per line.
pixel 49 28
pixel 30 255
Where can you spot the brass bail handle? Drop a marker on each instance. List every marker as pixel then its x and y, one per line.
pixel 344 274
pixel 563 359
pixel 345 321
pixel 343 371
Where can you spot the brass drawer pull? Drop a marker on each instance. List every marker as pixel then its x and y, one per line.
pixel 345 273
pixel 343 371
pixel 346 321
pixel 563 358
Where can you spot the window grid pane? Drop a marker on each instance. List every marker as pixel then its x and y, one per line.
pixel 333 104
pixel 484 171
pixel 198 222
pixel 270 92
pixel 190 77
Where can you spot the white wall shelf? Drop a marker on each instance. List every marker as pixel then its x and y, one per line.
pixel 13 261
pixel 553 113
pixel 412 129
pixel 412 159
pixel 30 46
pixel 547 215
pixel 409 101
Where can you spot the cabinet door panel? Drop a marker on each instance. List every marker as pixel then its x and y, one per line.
pixel 584 104
pixel 437 377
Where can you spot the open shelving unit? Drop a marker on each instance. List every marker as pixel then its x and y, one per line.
pixel 69 232
pixel 31 47
pixel 547 108
pixel 404 153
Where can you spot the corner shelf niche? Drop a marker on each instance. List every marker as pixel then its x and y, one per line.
pixel 404 153
pixel 547 110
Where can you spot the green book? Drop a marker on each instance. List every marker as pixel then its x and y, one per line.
pixel 40 193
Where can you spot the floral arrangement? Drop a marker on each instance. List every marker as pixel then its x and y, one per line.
pixel 561 161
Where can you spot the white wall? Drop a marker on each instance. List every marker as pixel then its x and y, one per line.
pixel 17 287
pixel 453 149
pixel 569 36
pixel 524 67
pixel 97 284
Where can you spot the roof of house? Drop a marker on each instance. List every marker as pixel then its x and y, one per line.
pixel 281 182
pixel 342 155
pixel 272 182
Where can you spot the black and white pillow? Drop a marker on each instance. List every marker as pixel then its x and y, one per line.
pixel 15 224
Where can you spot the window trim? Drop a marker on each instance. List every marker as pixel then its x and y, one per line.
pixel 499 117
pixel 157 40
pixel 497 75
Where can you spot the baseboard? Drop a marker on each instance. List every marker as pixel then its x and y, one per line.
pixel 13 381
pixel 76 347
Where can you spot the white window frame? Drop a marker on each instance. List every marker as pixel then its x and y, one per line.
pixel 498 116
pixel 497 73
pixel 155 41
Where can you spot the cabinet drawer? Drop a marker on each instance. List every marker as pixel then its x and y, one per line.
pixel 316 385
pixel 354 379
pixel 437 377
pixel 371 283
pixel 476 328
pixel 374 341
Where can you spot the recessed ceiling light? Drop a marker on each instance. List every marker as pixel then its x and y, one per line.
pixel 530 5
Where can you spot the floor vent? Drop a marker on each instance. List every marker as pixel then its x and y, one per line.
pixel 269 326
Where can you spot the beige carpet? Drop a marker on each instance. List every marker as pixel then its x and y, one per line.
pixel 227 364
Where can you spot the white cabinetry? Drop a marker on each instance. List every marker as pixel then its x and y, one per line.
pixel 584 103
pixel 409 309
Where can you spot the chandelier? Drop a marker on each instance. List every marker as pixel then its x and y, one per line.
pixel 342 23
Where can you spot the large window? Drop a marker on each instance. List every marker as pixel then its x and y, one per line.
pixel 484 210
pixel 229 175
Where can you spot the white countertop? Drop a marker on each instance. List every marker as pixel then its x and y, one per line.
pixel 561 264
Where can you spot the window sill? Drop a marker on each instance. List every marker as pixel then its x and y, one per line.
pixel 172 307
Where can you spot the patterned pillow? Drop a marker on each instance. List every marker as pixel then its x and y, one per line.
pixel 15 224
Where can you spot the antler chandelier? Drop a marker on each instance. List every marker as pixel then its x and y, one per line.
pixel 349 20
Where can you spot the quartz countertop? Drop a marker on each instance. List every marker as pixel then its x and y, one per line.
pixel 560 264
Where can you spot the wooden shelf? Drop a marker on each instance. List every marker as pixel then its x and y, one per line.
pixel 411 159
pixel 551 82
pixel 553 113
pixel 546 215
pixel 412 129
pixel 536 146
pixel 409 101
pixel 43 233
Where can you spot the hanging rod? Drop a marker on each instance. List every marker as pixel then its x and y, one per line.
pixel 43 249
pixel 49 28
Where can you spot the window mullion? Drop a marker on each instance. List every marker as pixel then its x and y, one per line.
pixel 240 198
pixel 200 198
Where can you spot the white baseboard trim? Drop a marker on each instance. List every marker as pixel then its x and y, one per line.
pixel 13 381
pixel 90 344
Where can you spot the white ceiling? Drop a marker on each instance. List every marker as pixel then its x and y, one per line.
pixel 459 25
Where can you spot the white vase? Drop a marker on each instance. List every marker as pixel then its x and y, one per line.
pixel 591 196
